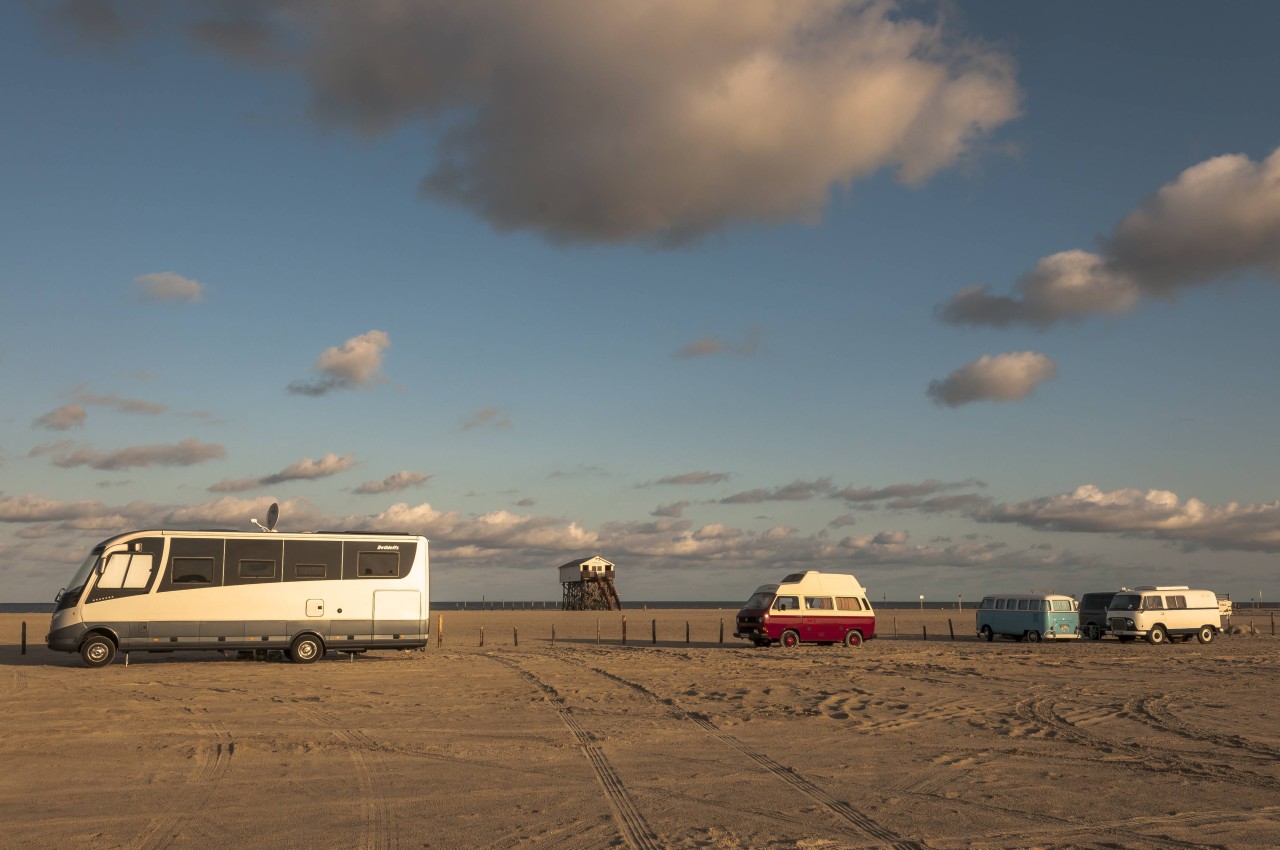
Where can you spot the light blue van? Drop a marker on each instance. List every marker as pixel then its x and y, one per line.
pixel 1028 616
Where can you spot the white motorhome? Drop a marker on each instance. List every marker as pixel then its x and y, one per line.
pixel 304 593
pixel 1159 613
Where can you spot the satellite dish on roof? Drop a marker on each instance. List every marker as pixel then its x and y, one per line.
pixel 273 514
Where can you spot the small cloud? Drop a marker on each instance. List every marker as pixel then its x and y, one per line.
pixel 1000 377
pixel 167 286
pixel 354 364
pixel 306 469
pixel 489 417
pixel 698 478
pixel 63 419
pixel 402 480
pixel 674 510
pixel 707 346
pixel 842 521
pixel 526 503
pixel 124 405
pixel 796 491
pixel 184 453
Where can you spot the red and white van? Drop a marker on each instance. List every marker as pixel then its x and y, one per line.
pixel 808 607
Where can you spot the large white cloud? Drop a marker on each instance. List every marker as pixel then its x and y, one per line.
pixel 1218 219
pixel 168 286
pixel 659 120
pixel 999 377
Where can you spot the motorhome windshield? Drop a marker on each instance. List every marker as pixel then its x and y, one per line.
pixel 1126 602
pixel 76 586
pixel 759 601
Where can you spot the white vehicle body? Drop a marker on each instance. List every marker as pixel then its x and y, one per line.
pixel 161 591
pixel 1159 613
pixel 809 607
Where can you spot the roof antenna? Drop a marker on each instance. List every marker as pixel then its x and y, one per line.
pixel 273 514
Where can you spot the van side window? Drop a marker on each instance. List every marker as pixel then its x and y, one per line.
pixel 1150 602
pixel 1176 601
pixel 1022 604
pixel 1062 605
pixel 818 603
pixel 786 603
pixel 988 603
pixel 848 603
pixel 192 571
pixel 999 604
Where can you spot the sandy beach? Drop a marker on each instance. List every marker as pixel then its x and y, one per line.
pixel 580 744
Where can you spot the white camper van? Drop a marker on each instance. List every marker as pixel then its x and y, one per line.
pixel 808 607
pixel 1161 613
pixel 161 591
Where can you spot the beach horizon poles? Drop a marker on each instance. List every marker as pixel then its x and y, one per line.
pixel 440 630
pixel 654 626
pixel 24 634
pixel 624 629
pixel 482 635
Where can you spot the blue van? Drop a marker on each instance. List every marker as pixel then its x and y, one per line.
pixel 1029 617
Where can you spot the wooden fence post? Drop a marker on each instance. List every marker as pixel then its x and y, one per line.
pixel 655 632
pixel 686 631
pixel 482 635
pixel 924 630
pixel 553 634
pixel 722 629
pixel 624 629
pixel 24 634
pixel 951 629
pixel 440 630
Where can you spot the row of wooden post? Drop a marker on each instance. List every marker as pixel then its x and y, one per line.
pixel 515 632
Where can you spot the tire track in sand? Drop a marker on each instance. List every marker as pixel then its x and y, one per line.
pixel 1154 711
pixel 636 831
pixel 840 809
pixel 213 758
pixel 1040 712
pixel 378 829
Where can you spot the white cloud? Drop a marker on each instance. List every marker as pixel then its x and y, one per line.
pixel 184 453
pixel 1218 219
pixel 1158 514
pixel 355 363
pixel 402 480
pixel 1000 377
pixel 661 121
pixel 167 286
pixel 63 419
pixel 489 417
pixel 306 469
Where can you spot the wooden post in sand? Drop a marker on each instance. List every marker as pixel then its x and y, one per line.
pixel 655 632
pixel 924 630
pixel 895 626
pixel 597 629
pixel 440 630
pixel 482 635
pixel 515 635
pixel 722 629
pixel 686 631
pixel 624 629
pixel 553 634
pixel 24 634
pixel 951 629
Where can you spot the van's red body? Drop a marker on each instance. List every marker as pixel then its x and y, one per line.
pixel 809 607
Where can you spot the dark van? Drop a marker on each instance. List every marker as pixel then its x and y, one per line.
pixel 1093 613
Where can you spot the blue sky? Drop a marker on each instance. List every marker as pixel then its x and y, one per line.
pixel 694 286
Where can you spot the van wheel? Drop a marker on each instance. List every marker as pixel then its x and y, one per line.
pixel 1205 635
pixel 1093 632
pixel 790 639
pixel 1157 635
pixel 1033 636
pixel 987 633
pixel 853 638
pixel 306 649
pixel 97 651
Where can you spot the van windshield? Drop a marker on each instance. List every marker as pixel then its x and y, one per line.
pixel 759 601
pixel 1126 602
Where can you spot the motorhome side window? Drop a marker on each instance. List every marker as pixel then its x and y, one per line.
pixel 1176 601
pixel 848 603
pixel 786 603
pixel 818 603
pixel 378 564
pixel 310 570
pixel 1150 602
pixel 257 569
pixel 192 571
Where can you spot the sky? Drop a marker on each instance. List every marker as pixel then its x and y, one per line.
pixel 959 298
